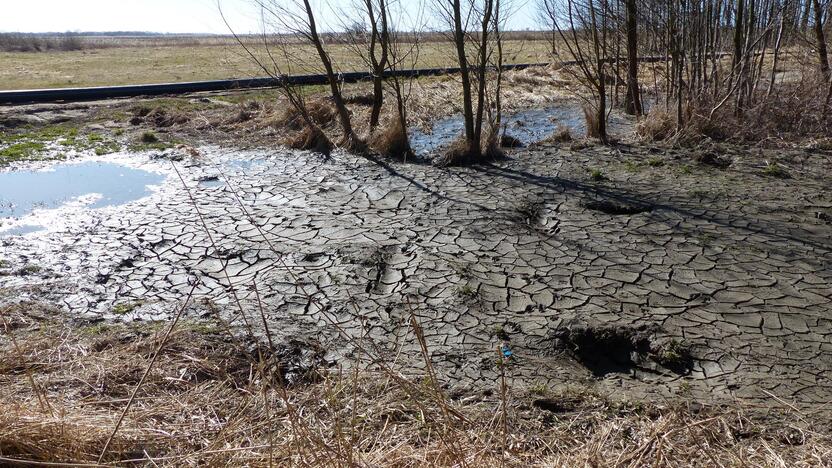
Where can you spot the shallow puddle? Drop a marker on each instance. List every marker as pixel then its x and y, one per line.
pixel 529 126
pixel 90 184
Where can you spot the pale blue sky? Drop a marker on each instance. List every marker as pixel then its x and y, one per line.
pixel 175 16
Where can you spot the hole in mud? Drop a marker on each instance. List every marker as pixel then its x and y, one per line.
pixel 605 350
pixel 616 208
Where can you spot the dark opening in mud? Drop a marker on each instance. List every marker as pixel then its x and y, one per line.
pixel 617 208
pixel 605 350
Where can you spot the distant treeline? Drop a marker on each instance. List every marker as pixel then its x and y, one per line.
pixel 19 42
pixel 44 42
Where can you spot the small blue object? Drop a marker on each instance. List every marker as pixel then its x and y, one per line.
pixel 506 351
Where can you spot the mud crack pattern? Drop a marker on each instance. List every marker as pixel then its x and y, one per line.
pixel 734 266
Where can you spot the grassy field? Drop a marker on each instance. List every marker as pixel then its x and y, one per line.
pixel 159 64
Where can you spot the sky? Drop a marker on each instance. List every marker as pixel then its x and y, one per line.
pixel 167 16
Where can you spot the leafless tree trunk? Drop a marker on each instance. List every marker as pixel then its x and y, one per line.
pixel 820 38
pixel 274 67
pixel 379 37
pixel 633 103
pixel 583 28
pixel 473 79
pixel 350 140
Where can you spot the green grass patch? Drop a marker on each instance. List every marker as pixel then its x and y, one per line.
pixel 466 291
pixel 31 144
pixel 539 388
pixel 21 151
pixel 773 169
pixel 149 138
pixel 149 141
pixel 655 162
pixel 685 170
pixel 597 175
pixel 632 166
pixel 125 308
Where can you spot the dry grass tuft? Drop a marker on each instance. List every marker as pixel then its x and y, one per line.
pixel 321 111
pixel 392 142
pixel 492 147
pixel 360 99
pixel 786 118
pixel 658 125
pixel 457 153
pixel 158 117
pixel 593 125
pixel 561 135
pixel 460 153
pixel 311 139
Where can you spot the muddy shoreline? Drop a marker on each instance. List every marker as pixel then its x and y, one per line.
pixel 634 270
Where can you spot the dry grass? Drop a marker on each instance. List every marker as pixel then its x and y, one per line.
pixel 593 125
pixel 208 403
pixel 320 110
pixel 310 138
pixel 187 59
pixel 560 135
pixel 795 115
pixel 658 125
pixel 392 141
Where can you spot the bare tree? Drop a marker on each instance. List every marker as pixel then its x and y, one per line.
pixel 297 18
pixel 819 9
pixel 275 61
pixel 473 48
pixel 583 28
pixel 633 99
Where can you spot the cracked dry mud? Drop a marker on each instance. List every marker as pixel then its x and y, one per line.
pixel 712 283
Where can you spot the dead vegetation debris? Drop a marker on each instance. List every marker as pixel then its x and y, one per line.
pixel 208 403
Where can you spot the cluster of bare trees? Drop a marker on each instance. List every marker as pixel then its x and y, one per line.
pixel 718 53
pixel 674 55
pixel 373 28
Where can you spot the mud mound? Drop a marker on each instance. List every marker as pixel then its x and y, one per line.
pixel 713 160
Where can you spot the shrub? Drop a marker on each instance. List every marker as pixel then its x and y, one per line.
pixel 561 135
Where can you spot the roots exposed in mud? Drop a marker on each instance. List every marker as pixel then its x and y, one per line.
pixel 510 141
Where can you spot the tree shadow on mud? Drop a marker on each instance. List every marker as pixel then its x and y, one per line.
pixel 686 208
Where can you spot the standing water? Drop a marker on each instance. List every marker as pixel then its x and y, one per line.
pixel 25 193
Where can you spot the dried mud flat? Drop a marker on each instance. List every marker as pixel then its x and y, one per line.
pixel 635 271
